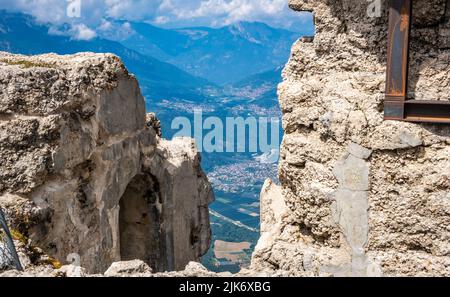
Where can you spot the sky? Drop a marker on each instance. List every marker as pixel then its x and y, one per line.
pixel 87 18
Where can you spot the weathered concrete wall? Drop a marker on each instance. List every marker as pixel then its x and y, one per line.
pixel 73 138
pixel 363 196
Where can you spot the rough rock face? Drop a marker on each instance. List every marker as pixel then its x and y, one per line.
pixel 359 195
pixel 85 178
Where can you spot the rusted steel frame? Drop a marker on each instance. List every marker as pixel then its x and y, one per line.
pixel 398 59
pixel 397 106
pixel 427 111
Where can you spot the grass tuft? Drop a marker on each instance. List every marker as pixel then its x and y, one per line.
pixel 55 263
pixel 27 64
pixel 16 235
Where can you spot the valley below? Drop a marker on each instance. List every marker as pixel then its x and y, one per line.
pixel 237 178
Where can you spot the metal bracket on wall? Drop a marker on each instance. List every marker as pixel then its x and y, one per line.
pixel 8 251
pixel 397 106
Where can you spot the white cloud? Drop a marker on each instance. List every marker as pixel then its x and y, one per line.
pixel 44 10
pixel 225 12
pixel 105 26
pixel 164 12
pixel 115 31
pixel 161 20
pixel 131 9
pixel 83 32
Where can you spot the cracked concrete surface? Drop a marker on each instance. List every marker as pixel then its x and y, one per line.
pixel 364 196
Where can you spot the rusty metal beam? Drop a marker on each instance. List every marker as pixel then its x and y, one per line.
pixel 396 105
pixel 398 58
pixel 427 111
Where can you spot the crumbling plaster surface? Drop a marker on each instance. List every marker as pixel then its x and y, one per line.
pixel 364 196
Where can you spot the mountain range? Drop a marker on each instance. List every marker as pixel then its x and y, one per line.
pixel 180 63
pixel 223 55
pixel 20 33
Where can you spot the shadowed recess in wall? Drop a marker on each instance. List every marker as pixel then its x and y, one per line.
pixel 139 222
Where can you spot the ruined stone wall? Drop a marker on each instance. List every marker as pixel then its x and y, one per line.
pixel 74 142
pixel 359 195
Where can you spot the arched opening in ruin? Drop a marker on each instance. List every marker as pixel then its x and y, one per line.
pixel 139 221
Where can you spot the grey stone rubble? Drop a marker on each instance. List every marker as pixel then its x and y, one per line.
pixel 133 268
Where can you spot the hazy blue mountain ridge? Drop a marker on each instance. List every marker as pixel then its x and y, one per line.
pixel 223 55
pixel 19 33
